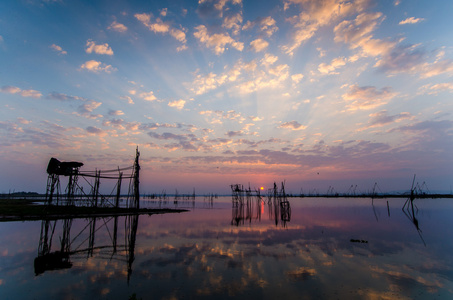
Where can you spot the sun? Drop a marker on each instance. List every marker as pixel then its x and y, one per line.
pixel 262 188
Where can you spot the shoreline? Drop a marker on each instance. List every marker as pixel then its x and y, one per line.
pixel 12 210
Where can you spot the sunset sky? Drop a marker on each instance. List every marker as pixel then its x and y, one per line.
pixel 316 93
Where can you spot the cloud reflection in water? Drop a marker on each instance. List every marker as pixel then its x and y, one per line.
pixel 200 254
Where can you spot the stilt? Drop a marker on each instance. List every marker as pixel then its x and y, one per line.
pixel 118 189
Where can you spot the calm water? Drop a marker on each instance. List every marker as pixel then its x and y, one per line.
pixel 322 249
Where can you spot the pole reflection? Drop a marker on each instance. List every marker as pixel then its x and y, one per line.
pixel 57 256
pixel 246 204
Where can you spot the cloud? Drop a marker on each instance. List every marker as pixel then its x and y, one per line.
pixel 58 49
pixel 10 127
pixel 296 78
pixel 425 132
pixel 24 93
pixel 184 141
pixel 171 136
pixel 401 59
pixel 269 59
pixel 84 109
pixel 256 119
pixel 233 133
pixel 394 58
pixel 233 22
pixel 245 77
pixel 429 126
pixel 433 69
pixel 358 33
pixel 178 104
pixel 293 125
pixel 23 121
pixel 64 97
pixel 382 118
pixel 367 97
pixel 98 49
pixel 118 27
pixel 266 25
pixel 96 131
pixel 115 112
pixel 334 64
pixel 316 14
pixel 217 41
pixel 158 26
pixel 48 135
pixel 203 84
pixel 148 96
pixel 116 123
pixel 300 36
pixel 410 59
pixel 122 125
pixel 216 8
pixel 97 66
pixel 11 89
pixel 219 115
pixel 259 45
pixel 31 93
pixel 267 78
pixel 343 156
pixel 87 108
pixel 411 20
pixel 53 126
pixel 154 126
pixel 434 89
pixel 128 99
pixel 355 31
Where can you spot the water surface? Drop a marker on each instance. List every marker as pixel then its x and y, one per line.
pixel 322 248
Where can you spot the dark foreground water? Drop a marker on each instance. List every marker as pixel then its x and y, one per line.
pixel 317 248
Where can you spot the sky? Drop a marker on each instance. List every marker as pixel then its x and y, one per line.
pixel 319 94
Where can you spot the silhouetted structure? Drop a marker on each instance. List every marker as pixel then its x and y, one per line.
pixel 74 193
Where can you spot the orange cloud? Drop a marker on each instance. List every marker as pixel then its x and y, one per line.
pixel 24 93
pixel 97 66
pixel 217 41
pixel 411 20
pixel 367 97
pixel 98 49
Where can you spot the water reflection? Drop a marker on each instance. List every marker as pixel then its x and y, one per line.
pixel 320 249
pixel 410 212
pixel 83 242
pixel 248 205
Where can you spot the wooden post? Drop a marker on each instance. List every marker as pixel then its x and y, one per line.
pixel 96 188
pixel 53 188
pixel 118 189
pixel 72 184
pixel 69 188
pixel 137 180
